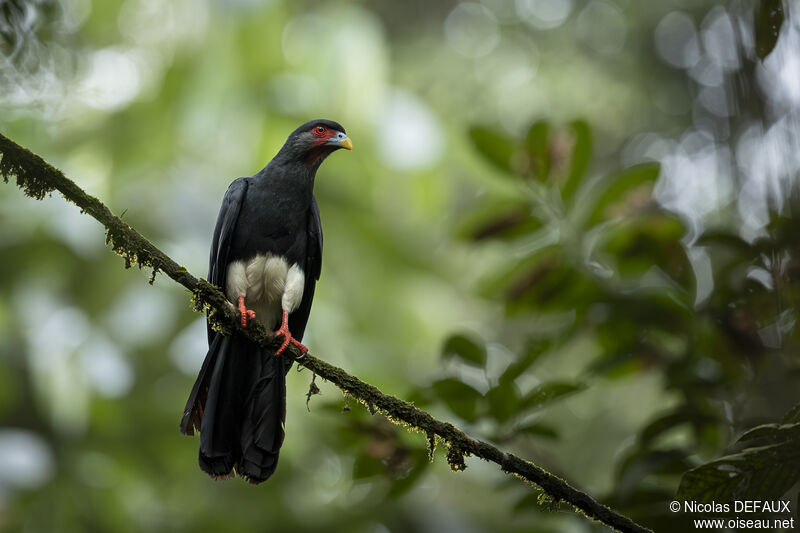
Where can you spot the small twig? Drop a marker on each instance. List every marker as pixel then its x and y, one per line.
pixel 312 390
pixel 38 178
pixel 346 406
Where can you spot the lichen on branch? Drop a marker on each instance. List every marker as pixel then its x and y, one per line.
pixel 37 178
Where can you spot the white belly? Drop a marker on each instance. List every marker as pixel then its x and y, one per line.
pixel 269 286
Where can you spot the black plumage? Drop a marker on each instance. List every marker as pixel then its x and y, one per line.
pixel 268 241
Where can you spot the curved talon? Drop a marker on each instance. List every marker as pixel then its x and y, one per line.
pixel 246 313
pixel 302 347
pixel 287 336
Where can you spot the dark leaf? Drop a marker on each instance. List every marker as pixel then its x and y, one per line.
pixel 552 287
pixel 505 219
pixel 493 146
pixel 458 396
pixel 616 188
pixel 765 470
pixel 793 416
pixel 539 430
pixel 499 284
pixel 768 434
pixel 366 466
pixel 532 277
pixel 647 240
pixel 725 239
pixel 659 426
pixel 538 150
pixel 547 392
pixel 517 368
pixel 769 19
pixel 643 464
pixel 503 402
pixel 581 151
pixel 468 350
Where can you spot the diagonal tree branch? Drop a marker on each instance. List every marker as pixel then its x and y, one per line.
pixel 37 178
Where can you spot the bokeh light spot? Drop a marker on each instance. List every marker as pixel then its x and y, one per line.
pixel 413 138
pixel 676 40
pixel 471 30
pixel 601 27
pixel 26 461
pixel 544 14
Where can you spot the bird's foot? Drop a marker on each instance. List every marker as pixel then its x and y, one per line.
pixel 287 337
pixel 246 313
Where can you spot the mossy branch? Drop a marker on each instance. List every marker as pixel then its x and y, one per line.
pixel 37 178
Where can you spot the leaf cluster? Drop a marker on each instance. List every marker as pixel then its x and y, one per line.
pixel 592 252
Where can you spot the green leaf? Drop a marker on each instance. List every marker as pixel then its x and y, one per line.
pixel 725 239
pixel 539 430
pixel 793 416
pixel 551 285
pixel 764 471
pixel 581 152
pixel 503 282
pixel 643 464
pixel 459 397
pixel 533 350
pixel 653 238
pixel 538 150
pixel 617 187
pixel 470 351
pixel 493 146
pixel 517 368
pixel 548 392
pixel 768 434
pixel 498 220
pixel 503 402
pixel 366 466
pixel 769 19
pixel 662 424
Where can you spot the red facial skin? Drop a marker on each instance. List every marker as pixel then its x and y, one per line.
pixel 321 135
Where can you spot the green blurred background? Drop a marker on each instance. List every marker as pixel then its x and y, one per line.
pixel 566 227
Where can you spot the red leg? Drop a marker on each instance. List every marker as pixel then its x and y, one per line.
pixel 246 313
pixel 287 337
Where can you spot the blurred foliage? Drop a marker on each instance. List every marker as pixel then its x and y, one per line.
pixel 765 469
pixel 619 270
pixel 529 240
pixel 21 21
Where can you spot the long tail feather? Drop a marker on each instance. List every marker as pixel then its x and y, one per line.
pixel 239 406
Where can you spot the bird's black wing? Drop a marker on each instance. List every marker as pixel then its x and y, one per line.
pixel 223 236
pixel 314 260
pixel 217 270
pixel 311 269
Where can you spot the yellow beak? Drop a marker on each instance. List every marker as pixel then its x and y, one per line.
pixel 346 143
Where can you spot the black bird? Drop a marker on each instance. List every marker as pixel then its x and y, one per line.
pixel 266 255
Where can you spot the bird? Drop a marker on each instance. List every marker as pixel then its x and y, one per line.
pixel 266 256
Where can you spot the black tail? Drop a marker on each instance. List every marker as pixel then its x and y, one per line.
pixel 238 404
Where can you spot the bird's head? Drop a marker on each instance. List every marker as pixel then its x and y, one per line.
pixel 315 140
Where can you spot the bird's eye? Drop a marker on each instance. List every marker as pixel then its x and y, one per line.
pixel 319 130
